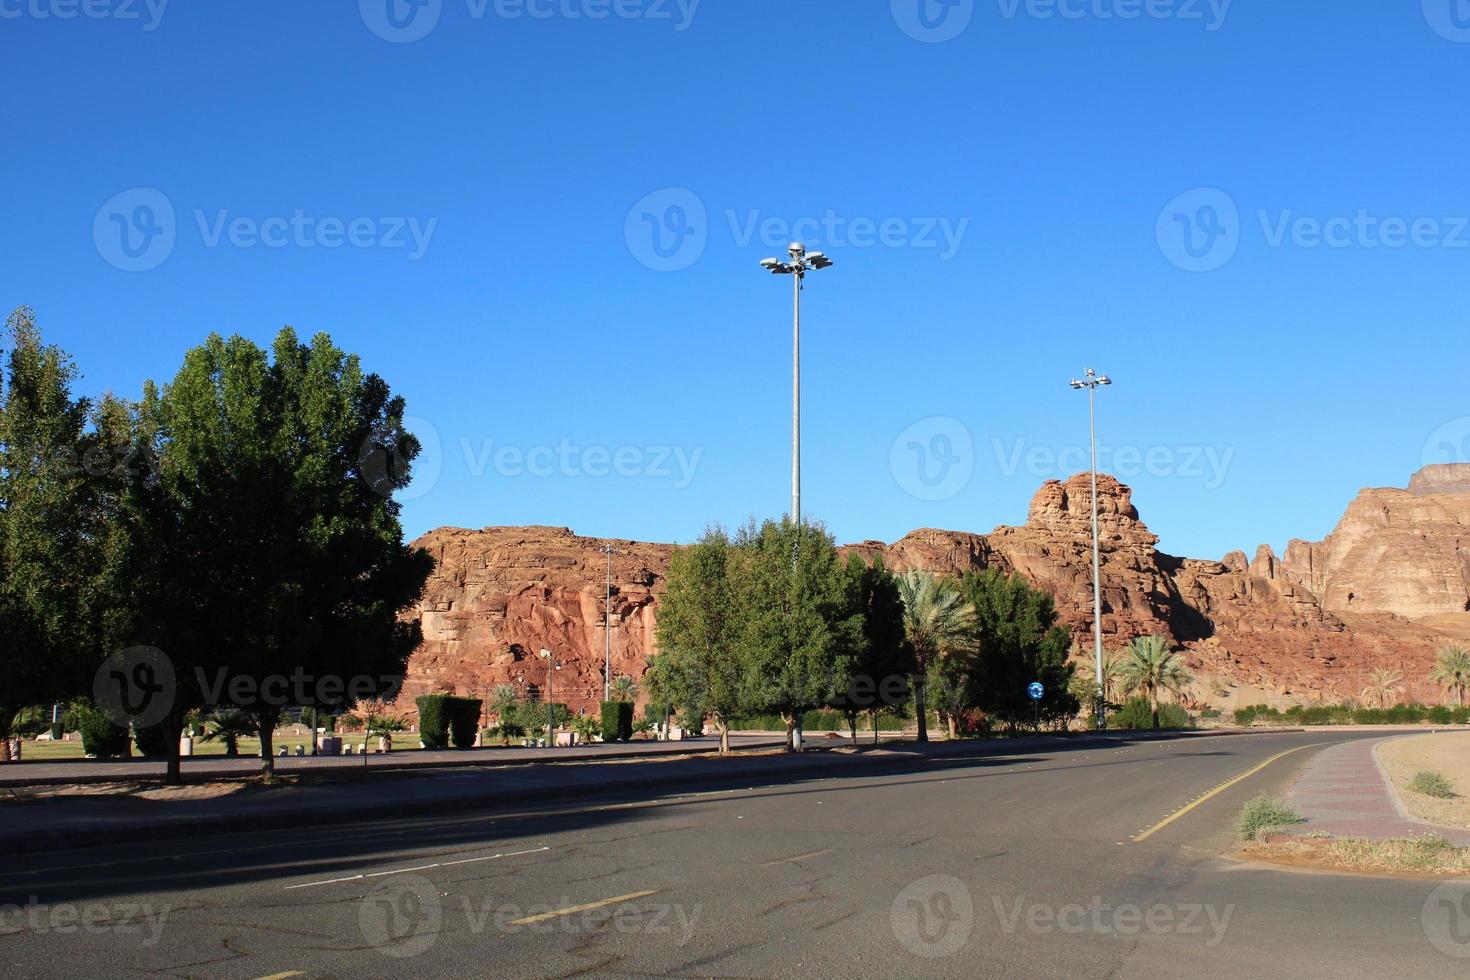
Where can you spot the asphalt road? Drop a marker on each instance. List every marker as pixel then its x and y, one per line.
pixel 1017 866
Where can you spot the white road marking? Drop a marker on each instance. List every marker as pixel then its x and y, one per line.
pixel 422 867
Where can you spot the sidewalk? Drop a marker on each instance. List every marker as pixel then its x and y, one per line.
pixel 80 771
pixel 1344 792
pixel 89 821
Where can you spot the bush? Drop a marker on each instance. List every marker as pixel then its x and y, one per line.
pixel 587 728
pixel 534 716
pixel 1138 714
pixel 464 721
pixel 58 731
pixel 1432 783
pixel 100 737
pixel 1460 716
pixel 617 721
pixel 152 742
pixel 691 719
pixel 434 715
pixel 507 730
pixel 1263 813
pixel 1441 715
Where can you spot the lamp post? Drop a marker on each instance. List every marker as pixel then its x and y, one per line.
pixel 800 263
pixel 1091 382
pixel 607 630
pixel 551 666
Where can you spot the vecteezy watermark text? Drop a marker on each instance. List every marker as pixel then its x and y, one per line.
pixel 1210 464
pixel 404 21
pixel 91 918
pixel 567 459
pixel 1099 917
pixel 149 13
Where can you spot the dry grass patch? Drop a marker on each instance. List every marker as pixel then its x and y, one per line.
pixel 1444 754
pixel 1428 855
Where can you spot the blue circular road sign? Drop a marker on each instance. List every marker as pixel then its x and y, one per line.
pixel 1035 691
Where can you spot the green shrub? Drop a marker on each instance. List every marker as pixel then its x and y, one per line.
pixel 1432 783
pixel 617 721
pixel 152 742
pixel 691 719
pixel 1138 714
pixel 587 728
pixel 821 720
pixel 100 737
pixel 58 731
pixel 1263 813
pixel 534 716
pixel 507 730
pixel 1460 716
pixel 464 720
pixel 434 713
pixel 1441 715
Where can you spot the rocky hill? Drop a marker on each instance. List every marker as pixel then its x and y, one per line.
pixel 1389 585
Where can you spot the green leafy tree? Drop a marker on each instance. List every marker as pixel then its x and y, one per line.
pixel 504 702
pixel 696 663
pixel 1452 671
pixel 49 527
pixel 881 659
pixel 938 624
pixel 274 564
pixel 795 636
pixel 1020 642
pixel 1150 667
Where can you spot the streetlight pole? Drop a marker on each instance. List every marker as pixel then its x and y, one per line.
pixel 551 667
pixel 800 263
pixel 1093 381
pixel 607 630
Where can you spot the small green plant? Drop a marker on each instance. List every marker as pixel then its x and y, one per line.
pixel 230 726
pixel 1432 783
pixel 1264 813
pixel 587 728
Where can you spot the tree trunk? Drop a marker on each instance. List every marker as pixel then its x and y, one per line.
pixel 173 729
pixel 724 727
pixel 7 715
pixel 920 682
pixel 790 731
pixel 875 728
pixel 852 726
pixel 267 718
pixel 954 728
pixel 1156 713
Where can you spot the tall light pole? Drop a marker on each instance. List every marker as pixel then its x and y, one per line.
pixel 607 630
pixel 551 667
pixel 1093 381
pixel 800 263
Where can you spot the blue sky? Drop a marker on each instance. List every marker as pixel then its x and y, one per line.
pixel 1252 215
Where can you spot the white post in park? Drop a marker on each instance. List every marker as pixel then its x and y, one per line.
pixel 1091 382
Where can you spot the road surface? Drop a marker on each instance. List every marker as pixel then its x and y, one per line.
pixel 1072 860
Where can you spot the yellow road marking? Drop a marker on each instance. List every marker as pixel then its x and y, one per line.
pixel 574 909
pixel 1145 834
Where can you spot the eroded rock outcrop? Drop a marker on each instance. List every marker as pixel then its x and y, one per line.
pixel 1388 586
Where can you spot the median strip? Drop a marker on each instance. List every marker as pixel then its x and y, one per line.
pixel 1145 834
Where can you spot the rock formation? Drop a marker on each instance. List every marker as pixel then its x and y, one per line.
pixel 1388 586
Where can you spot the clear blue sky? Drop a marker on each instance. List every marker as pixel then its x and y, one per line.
pixel 524 150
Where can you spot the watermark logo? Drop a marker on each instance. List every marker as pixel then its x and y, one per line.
pixel 1446 919
pixel 1199 231
pixel 135 230
pixel 1208 464
pixel 934 458
pixel 1097 917
pixel 942 235
pixel 933 21
pixel 401 917
pixel 1211 13
pixel 1450 443
pixel 572 461
pixel 934 916
pixel 401 21
pixel 148 12
pixel 668 230
pixel 92 919
pixel 135 687
pixel 384 460
pixel 1449 18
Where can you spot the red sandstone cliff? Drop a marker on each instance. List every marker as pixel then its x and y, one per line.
pixel 1385 588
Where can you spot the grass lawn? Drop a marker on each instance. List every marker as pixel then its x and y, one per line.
pixel 56 751
pixel 1447 753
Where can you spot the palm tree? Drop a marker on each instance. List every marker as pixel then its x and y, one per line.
pixel 1149 666
pixel 1384 687
pixel 504 700
pixel 937 622
pixel 625 689
pixel 1452 670
pixel 229 727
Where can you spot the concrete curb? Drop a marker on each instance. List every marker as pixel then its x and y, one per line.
pixel 818 764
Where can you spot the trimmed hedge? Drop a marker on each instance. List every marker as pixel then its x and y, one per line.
pixel 617 721
pixel 100 737
pixel 821 720
pixel 1138 714
pixel 1350 714
pixel 444 718
pixel 152 742
pixel 464 721
pixel 433 720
